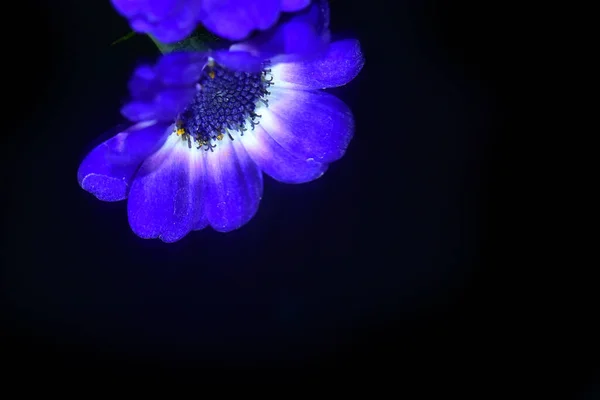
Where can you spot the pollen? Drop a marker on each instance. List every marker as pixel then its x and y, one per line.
pixel 220 136
pixel 212 74
pixel 180 131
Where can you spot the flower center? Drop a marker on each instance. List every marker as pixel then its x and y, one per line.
pixel 225 102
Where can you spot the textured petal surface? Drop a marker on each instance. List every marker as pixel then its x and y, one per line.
pixel 160 92
pixel 107 171
pixel 309 124
pixel 166 197
pixel 235 19
pixel 167 20
pixel 293 5
pixel 279 163
pixel 234 186
pixel 342 62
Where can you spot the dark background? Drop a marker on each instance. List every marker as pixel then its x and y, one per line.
pixel 394 258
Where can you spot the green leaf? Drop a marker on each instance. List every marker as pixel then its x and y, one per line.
pixel 197 41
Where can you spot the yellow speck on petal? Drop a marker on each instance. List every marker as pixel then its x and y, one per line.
pixel 180 131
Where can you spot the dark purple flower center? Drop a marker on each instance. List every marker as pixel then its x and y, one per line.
pixel 226 102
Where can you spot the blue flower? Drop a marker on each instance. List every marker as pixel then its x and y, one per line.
pixel 173 20
pixel 167 20
pixel 205 131
pixel 235 19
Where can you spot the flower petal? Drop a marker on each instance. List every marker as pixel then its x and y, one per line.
pixel 238 60
pixel 317 16
pixel 309 124
pixel 342 62
pixel 166 197
pixel 234 186
pixel 303 35
pixel 295 38
pixel 163 107
pixel 162 91
pixel 277 162
pixel 181 68
pixel 202 221
pixel 235 19
pixel 293 5
pixel 167 20
pixel 107 171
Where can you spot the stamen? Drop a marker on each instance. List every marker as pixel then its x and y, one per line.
pixel 225 102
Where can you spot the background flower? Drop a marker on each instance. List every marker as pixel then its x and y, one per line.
pixel 167 20
pixel 173 20
pixel 235 19
pixel 301 35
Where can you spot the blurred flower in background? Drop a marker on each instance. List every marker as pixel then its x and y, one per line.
pixel 174 20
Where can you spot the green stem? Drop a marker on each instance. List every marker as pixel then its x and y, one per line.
pixel 195 42
pixel 123 38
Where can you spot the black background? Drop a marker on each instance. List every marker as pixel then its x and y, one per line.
pixel 394 258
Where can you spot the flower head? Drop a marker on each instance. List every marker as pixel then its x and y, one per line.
pixel 207 125
pixel 173 20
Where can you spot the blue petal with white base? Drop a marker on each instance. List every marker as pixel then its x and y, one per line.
pixel 234 184
pixel 340 64
pixel 167 197
pixel 311 125
pixel 279 163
